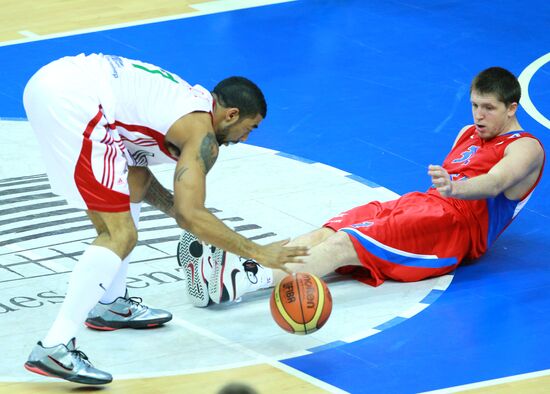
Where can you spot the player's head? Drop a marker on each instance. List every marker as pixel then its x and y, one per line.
pixel 243 105
pixel 498 82
pixel 494 94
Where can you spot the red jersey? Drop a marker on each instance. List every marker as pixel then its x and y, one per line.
pixel 421 235
pixel 472 156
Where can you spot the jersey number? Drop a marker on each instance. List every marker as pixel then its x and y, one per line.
pixel 164 73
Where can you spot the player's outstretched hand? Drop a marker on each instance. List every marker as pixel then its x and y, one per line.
pixel 441 180
pixel 276 255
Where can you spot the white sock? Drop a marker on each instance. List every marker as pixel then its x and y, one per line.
pixel 92 274
pixel 118 285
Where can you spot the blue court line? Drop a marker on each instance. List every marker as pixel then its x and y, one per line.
pixel 390 323
pixel 432 296
pixel 326 346
pixel 363 180
pixel 294 157
pixel 13 119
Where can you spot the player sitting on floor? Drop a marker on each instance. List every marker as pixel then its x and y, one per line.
pixel 484 182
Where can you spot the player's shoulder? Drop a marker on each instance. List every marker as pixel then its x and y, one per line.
pixel 465 129
pixel 192 126
pixel 526 142
pixel 461 133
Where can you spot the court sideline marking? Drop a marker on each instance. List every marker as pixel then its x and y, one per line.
pixel 212 7
pixel 524 80
pixel 490 383
pixel 257 358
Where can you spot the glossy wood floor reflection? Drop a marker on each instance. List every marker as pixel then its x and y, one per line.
pixel 261 378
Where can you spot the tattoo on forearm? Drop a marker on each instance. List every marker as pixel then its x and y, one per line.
pixel 179 173
pixel 209 151
pixel 159 197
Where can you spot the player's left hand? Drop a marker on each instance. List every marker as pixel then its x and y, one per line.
pixel 441 180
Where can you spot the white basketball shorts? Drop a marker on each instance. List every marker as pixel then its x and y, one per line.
pixel 84 157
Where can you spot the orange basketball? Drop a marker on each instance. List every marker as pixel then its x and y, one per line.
pixel 301 303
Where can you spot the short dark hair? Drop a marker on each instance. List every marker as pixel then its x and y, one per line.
pixel 500 82
pixel 241 93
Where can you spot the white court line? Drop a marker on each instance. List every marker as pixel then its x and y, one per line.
pixel 230 5
pixel 524 80
pixel 218 7
pixel 257 358
pixel 15 248
pixel 28 34
pixel 488 383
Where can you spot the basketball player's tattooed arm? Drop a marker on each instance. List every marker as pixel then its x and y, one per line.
pixel 145 187
pixel 208 152
pixel 196 160
pixel 160 197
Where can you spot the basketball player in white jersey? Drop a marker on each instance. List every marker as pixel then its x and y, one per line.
pixel 100 121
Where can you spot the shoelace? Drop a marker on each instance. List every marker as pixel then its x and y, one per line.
pixel 136 301
pixel 80 355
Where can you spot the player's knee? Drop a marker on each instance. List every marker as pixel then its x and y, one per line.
pixel 324 233
pixel 340 244
pixel 340 240
pixel 126 239
pixel 132 238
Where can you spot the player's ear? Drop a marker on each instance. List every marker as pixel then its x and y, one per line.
pixel 232 114
pixel 512 108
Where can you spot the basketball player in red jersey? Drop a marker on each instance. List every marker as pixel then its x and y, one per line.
pixel 479 189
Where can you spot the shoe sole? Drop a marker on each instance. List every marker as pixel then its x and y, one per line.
pixel 102 325
pixel 51 374
pixel 217 289
pixel 197 289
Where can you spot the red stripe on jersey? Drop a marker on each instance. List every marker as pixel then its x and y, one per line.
pixel 96 196
pixel 156 135
pixel 105 177
pixel 112 157
pixel 140 141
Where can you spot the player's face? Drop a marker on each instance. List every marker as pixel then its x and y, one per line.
pixel 491 116
pixel 238 131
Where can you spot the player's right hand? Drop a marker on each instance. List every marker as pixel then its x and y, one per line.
pixel 275 255
pixel 441 180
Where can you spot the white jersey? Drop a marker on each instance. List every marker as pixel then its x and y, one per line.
pixel 95 115
pixel 142 101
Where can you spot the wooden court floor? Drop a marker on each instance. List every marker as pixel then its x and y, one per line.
pixel 27 18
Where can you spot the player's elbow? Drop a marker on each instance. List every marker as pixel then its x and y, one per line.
pixel 496 187
pixel 184 220
pixel 187 220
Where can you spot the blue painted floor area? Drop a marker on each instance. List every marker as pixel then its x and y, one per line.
pixel 492 322
pixel 379 89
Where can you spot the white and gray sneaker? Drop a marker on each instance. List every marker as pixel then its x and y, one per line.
pixel 195 258
pixel 232 276
pixel 125 312
pixel 65 362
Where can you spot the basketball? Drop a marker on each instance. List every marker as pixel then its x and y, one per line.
pixel 301 303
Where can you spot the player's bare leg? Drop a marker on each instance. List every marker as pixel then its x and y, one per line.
pixel 312 238
pixel 116 309
pixel 334 251
pixel 115 231
pixel 232 276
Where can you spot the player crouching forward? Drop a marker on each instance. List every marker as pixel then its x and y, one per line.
pixel 484 182
pixel 101 121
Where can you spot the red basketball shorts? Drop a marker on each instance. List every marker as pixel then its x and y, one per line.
pixel 414 237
